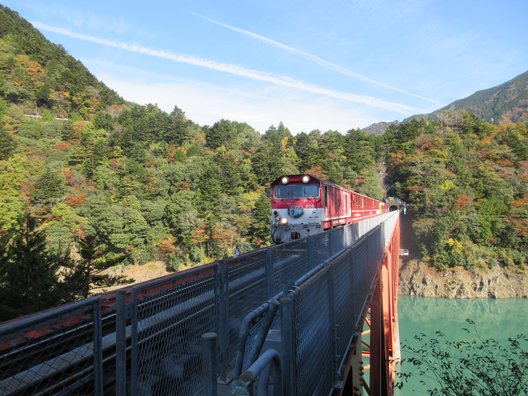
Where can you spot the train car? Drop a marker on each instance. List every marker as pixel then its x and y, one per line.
pixel 303 205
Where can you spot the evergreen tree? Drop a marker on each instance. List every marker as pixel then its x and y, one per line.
pixel 49 187
pixel 86 272
pixel 7 144
pixel 28 273
pixel 177 132
pixel 259 229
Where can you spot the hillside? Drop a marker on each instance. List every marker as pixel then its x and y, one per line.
pixel 466 182
pixel 40 76
pixel 96 181
pixel 379 127
pixel 507 102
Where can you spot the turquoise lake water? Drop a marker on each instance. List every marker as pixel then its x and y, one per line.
pixel 498 319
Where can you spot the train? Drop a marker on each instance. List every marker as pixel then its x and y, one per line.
pixel 304 205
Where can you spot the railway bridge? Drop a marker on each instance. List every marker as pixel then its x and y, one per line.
pixel 315 316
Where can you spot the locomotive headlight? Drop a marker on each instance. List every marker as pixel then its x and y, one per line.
pixel 305 179
pixel 284 221
pixel 285 180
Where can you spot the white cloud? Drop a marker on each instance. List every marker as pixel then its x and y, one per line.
pixel 323 62
pixel 206 104
pixel 82 19
pixel 284 81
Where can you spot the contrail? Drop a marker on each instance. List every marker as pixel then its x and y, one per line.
pixel 316 59
pixel 237 70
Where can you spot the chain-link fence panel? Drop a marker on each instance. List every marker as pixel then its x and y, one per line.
pixel 313 337
pixel 56 351
pixel 169 318
pixel 336 240
pixel 247 289
pixel 318 249
pixel 360 282
pixel 349 235
pixel 376 251
pixel 346 303
pixel 289 264
pixel 155 348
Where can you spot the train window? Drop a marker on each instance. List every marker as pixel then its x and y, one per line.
pixel 296 191
pixel 326 197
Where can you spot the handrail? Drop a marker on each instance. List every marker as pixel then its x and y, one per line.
pixel 267 371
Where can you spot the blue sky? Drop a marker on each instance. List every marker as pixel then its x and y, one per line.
pixel 327 65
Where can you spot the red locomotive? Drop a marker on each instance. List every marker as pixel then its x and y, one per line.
pixel 303 205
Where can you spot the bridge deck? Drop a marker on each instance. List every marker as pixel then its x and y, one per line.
pixel 148 339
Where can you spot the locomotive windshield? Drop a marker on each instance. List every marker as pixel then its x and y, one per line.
pixel 296 191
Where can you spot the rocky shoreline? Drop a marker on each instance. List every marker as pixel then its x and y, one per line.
pixel 418 279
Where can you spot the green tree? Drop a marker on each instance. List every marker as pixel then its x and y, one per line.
pixel 7 144
pixel 12 202
pixel 259 229
pixel 178 131
pixel 86 272
pixel 307 150
pixel 49 188
pixel 29 273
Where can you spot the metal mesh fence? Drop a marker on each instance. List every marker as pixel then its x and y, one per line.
pixel 166 329
pixel 53 352
pixel 318 248
pixel 348 236
pixel 313 338
pixel 346 303
pixel 289 263
pixel 68 350
pixel 326 310
pixel 360 283
pixel 247 289
pixel 376 250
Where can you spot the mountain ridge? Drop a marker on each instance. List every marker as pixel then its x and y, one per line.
pixel 37 73
pixel 506 102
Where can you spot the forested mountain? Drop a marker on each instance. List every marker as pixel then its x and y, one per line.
pixel 379 127
pixel 35 73
pixel 466 181
pixel 97 181
pixel 507 102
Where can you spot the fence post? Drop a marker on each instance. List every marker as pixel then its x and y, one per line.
pixel 209 369
pixel 133 344
pixel 332 318
pixel 269 272
pixel 288 346
pixel 121 318
pixel 222 317
pixel 98 348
